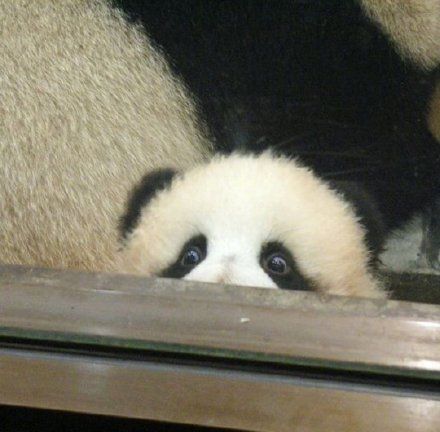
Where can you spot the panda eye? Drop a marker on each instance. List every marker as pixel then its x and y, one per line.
pixel 192 256
pixel 276 264
pixel 279 264
pixel 193 252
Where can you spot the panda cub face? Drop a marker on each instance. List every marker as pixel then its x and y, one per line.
pixel 261 221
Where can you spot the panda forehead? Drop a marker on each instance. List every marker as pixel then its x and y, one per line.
pixel 240 183
pixel 216 203
pixel 253 198
pixel 234 191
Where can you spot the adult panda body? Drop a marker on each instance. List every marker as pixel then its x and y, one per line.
pixel 87 106
pixel 343 85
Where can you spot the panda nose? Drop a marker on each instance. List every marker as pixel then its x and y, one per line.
pixel 225 274
pixel 222 279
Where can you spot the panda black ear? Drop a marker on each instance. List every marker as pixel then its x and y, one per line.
pixel 150 185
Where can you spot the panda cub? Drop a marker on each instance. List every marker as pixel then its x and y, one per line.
pixel 258 220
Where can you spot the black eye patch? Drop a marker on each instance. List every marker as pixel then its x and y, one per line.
pixel 192 254
pixel 280 266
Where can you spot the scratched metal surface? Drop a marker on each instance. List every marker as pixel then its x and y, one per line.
pixel 224 321
pixel 379 361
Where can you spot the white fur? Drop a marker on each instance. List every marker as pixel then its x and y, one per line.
pixel 87 106
pixel 241 202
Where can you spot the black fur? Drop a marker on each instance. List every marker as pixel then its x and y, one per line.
pixel 314 78
pixel 141 195
pixel 288 66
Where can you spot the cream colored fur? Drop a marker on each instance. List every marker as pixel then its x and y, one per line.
pixel 87 106
pixel 241 202
pixel 413 25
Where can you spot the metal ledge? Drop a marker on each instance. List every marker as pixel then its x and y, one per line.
pixel 90 343
pixel 293 327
